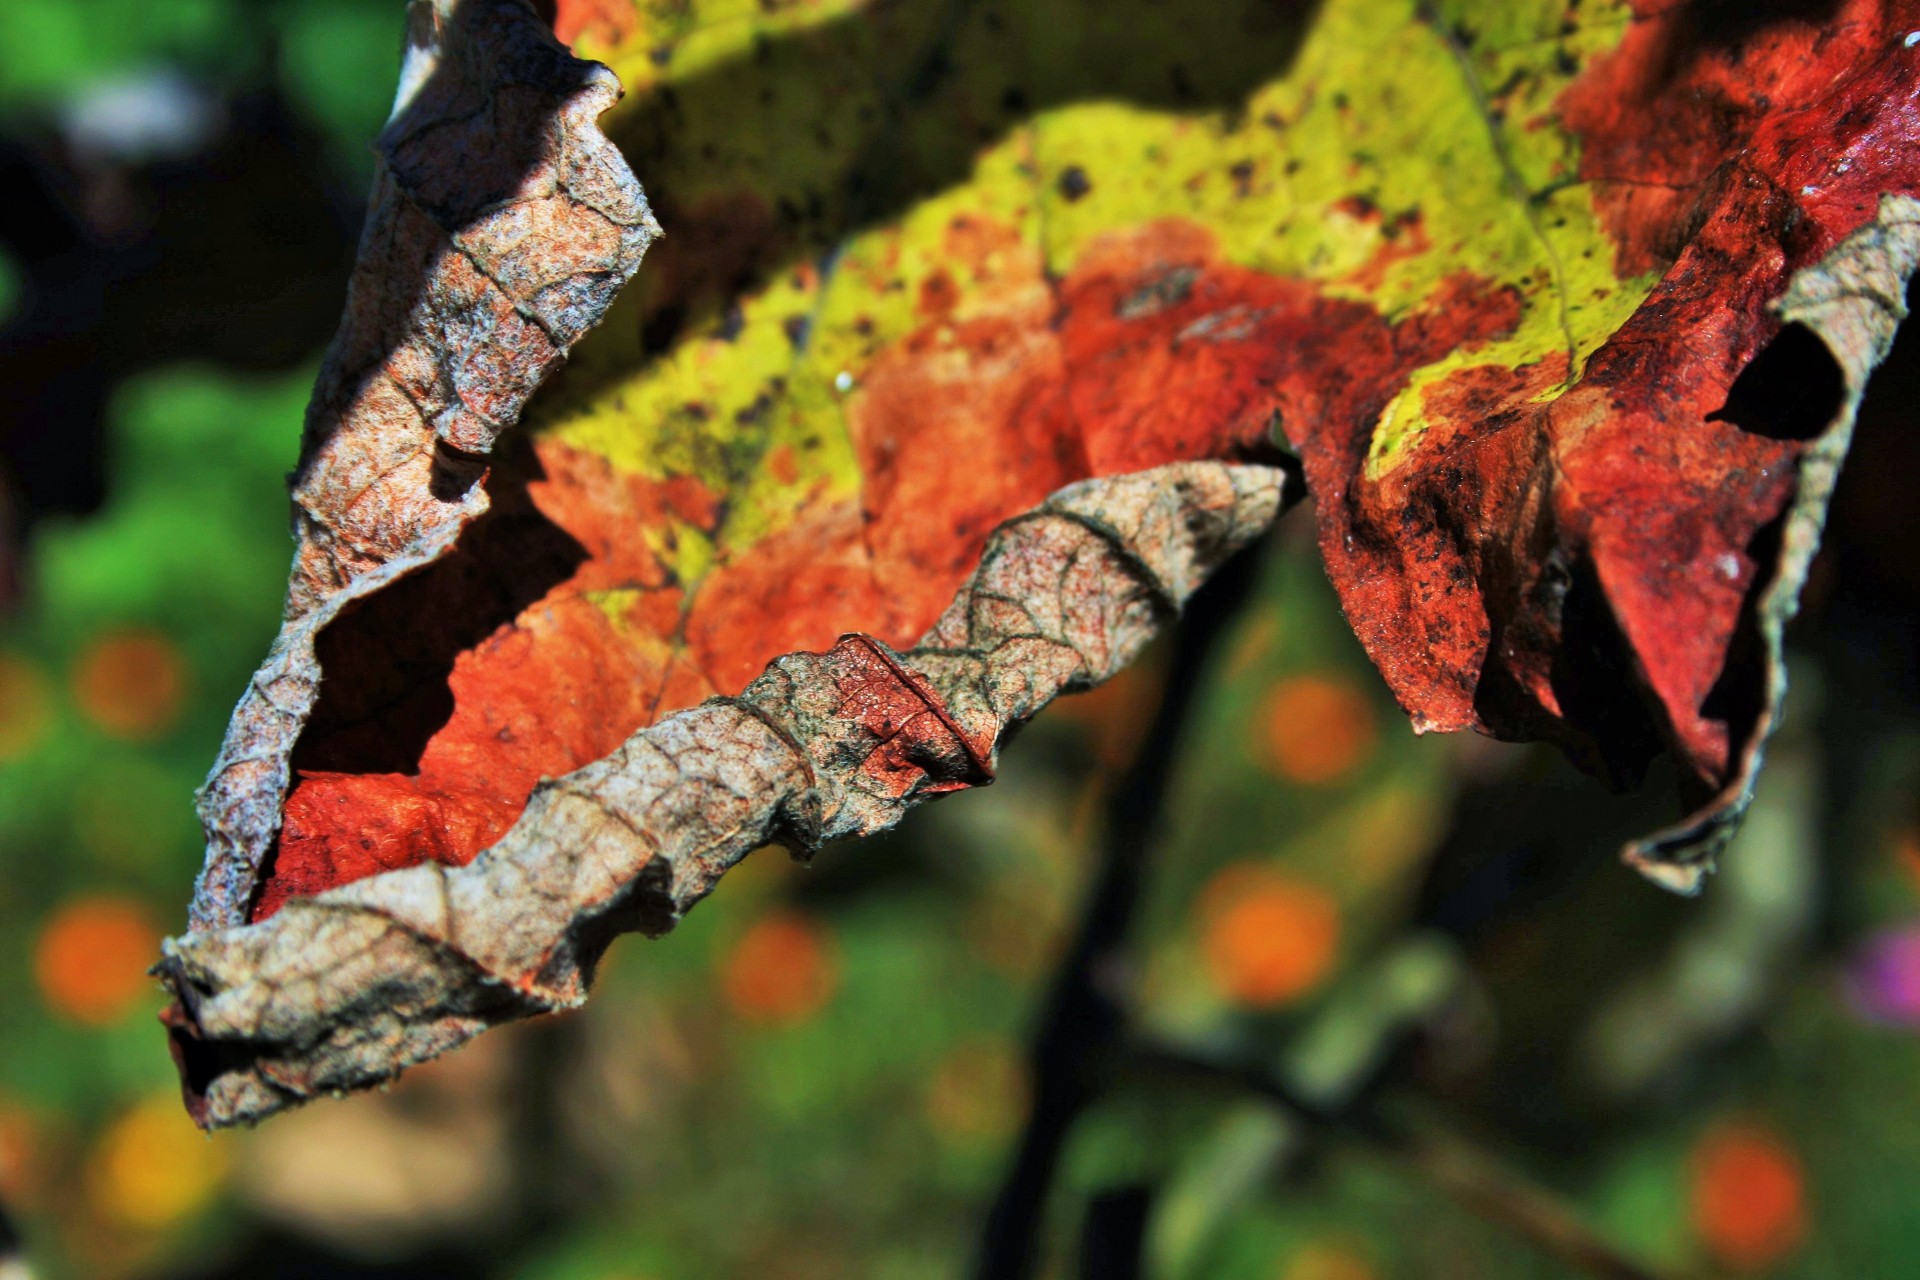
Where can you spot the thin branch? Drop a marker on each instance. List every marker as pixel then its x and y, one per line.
pixel 1113 1241
pixel 1471 1178
pixel 1500 1194
pixel 1085 1018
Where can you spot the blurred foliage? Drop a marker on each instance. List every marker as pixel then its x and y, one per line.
pixel 335 59
pixel 113 692
pixel 55 47
pixel 823 1072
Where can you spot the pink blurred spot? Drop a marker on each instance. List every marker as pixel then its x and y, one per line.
pixel 1883 978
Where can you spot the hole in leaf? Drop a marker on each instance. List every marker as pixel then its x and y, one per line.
pixel 1739 697
pixel 385 661
pixel 1790 391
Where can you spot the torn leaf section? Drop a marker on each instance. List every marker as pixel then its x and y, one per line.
pixel 1852 301
pixel 501 224
pixel 344 990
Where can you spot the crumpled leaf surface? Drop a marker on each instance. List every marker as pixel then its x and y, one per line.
pixel 501 224
pixel 1517 282
pixel 342 990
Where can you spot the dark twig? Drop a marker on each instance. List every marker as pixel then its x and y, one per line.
pixel 13 1252
pixel 1477 1182
pixel 1112 1245
pixel 1083 1040
pixel 1086 1018
pixel 1468 1176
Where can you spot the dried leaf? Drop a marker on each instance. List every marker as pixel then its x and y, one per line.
pixel 344 989
pixel 1530 287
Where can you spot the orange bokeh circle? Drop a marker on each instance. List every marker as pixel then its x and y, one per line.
pixel 1267 937
pixel 132 684
pixel 1748 1196
pixel 91 959
pixel 781 971
pixel 1315 729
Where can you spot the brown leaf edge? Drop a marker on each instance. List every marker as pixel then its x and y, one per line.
pixel 345 989
pixel 501 224
pixel 1852 301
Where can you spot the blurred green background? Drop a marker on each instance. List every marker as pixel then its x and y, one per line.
pixel 1493 1036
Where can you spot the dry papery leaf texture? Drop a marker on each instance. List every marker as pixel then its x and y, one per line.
pixel 502 223
pixel 344 989
pixel 1569 352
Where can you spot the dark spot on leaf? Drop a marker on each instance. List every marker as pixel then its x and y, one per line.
pixel 1790 391
pixel 755 411
pixel 1361 208
pixel 1073 182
